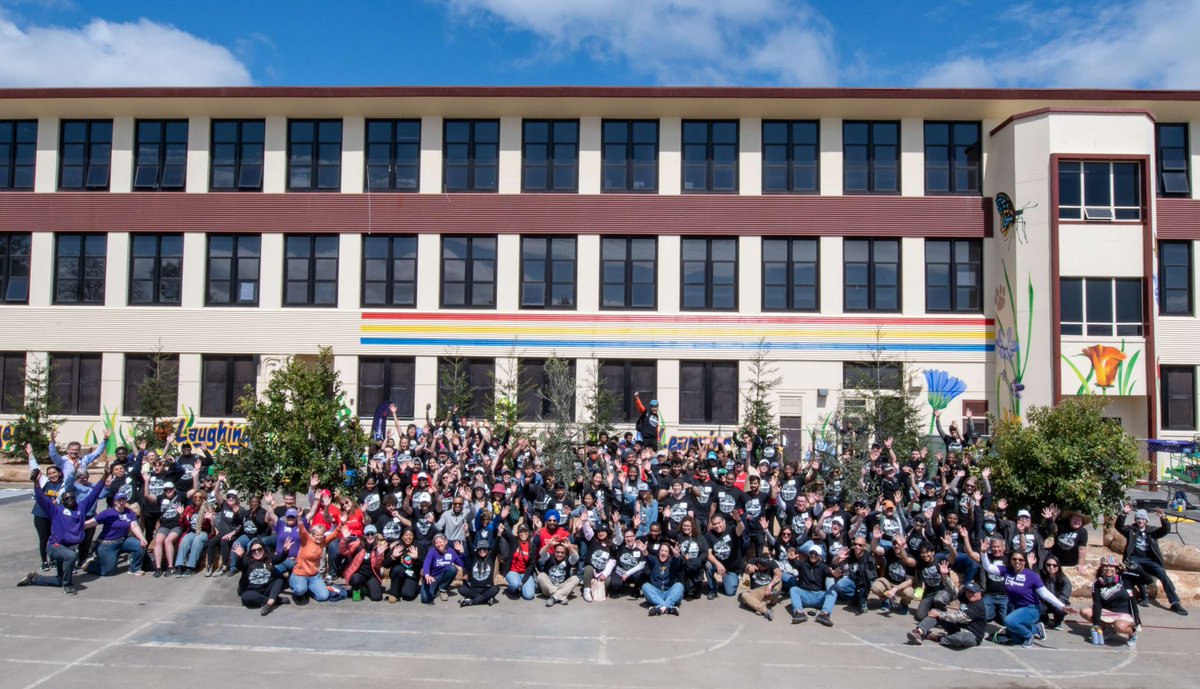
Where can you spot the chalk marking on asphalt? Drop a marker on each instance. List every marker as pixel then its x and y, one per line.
pixel 137 666
pixel 602 646
pixel 1032 670
pixel 715 647
pixel 39 637
pixel 64 617
pixel 133 632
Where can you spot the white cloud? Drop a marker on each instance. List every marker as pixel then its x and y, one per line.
pixel 780 42
pixel 1149 44
pixel 102 53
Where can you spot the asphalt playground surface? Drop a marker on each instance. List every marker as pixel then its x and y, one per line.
pixel 140 631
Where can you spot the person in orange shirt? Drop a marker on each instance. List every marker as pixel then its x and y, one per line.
pixel 305 579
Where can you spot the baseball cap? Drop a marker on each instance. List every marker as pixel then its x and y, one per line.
pixel 120 496
pixel 169 485
pixel 370 529
pixel 764 461
pixel 653 403
pixel 499 489
pixel 972 587
pixel 1141 514
pixel 291 512
pixel 422 475
pixel 712 455
pixel 887 503
pixel 231 493
pixel 661 453
pixel 817 550
pixel 483 544
pixel 1022 513
pixel 643 487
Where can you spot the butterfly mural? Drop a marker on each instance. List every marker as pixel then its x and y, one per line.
pixel 1012 221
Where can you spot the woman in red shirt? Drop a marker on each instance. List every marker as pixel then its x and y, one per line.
pixel 520 577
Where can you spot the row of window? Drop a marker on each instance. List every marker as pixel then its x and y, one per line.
pixel 791 270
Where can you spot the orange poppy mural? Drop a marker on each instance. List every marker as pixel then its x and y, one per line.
pixel 1105 362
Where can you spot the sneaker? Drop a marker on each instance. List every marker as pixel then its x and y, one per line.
pixel 1027 643
pixel 654 612
pixel 1000 638
pixel 1179 609
pixel 28 580
pixel 188 571
pixel 550 603
pixel 902 610
pixel 209 572
pixel 587 594
pixel 1039 631
pixel 158 573
pixel 675 611
pixel 712 595
pixel 799 617
pixel 915 637
pixel 267 609
pixel 232 573
pixel 1144 602
pixel 823 618
pixel 886 606
pixel 463 603
pixel 390 598
pixel 862 608
pixel 70 590
pixel 562 602
pixel 1132 642
pixel 178 572
pixel 491 602
pixel 442 595
pixel 45 566
pixel 138 573
pixel 767 614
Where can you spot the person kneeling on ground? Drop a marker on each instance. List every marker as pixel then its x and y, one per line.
pixel 962 628
pixel 261 585
pixel 1112 604
pixel 442 564
pixel 121 534
pixel 306 579
pixel 364 567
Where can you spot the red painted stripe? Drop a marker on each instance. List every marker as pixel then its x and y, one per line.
pixel 682 320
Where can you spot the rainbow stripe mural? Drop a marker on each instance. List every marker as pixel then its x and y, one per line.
pixel 690 332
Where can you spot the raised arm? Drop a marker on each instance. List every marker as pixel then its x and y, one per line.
pixel 987 564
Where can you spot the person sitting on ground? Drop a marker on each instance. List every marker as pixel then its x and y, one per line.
pixel 663 588
pixel 305 580
pixel 403 562
pixel 120 534
pixel 261 584
pixel 364 561
pixel 556 562
pixel 1060 585
pixel 765 581
pixel 961 628
pixel 479 587
pixel 1112 604
pixel 442 565
pixel 810 590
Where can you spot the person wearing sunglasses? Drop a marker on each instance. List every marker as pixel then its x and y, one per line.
pixel 1024 587
pixel 1060 585
pixel 1113 604
pixel 261 584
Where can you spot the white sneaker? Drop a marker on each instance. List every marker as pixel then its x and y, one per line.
pixel 587 594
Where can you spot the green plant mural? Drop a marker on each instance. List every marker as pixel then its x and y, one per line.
pixel 1110 367
pixel 1013 357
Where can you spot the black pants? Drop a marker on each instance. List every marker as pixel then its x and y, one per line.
pixel 212 546
pixel 1157 571
pixel 149 524
pixel 42 525
pixel 85 548
pixel 478 594
pixel 403 586
pixel 252 598
pixel 361 581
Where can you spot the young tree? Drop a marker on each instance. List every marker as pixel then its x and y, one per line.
pixel 37 412
pixel 1068 455
pixel 455 391
pixel 560 433
pixel 599 405
pixel 888 410
pixel 758 410
pixel 507 408
pixel 156 398
pixel 293 430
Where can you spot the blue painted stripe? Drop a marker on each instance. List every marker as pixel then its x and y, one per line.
pixel 626 344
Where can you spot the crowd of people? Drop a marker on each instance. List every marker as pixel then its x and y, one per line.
pixel 452 509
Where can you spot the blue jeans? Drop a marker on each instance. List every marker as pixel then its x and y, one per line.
pixel 1020 622
pixel 107 553
pixel 243 541
pixel 64 558
pixel 663 599
pixel 845 588
pixel 313 586
pixel 822 600
pixel 728 584
pixel 994 603
pixel 528 589
pixel 441 581
pixel 966 567
pixel 190 547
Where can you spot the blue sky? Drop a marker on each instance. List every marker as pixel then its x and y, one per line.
pixel 968 43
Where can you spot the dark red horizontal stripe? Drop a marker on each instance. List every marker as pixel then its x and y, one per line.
pixel 684 319
pixel 895 216
pixel 1178 219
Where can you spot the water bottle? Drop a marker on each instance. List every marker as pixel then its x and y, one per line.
pixel 1097 637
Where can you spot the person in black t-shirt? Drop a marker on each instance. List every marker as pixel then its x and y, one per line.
pixel 962 628
pixel 725 562
pixel 765 585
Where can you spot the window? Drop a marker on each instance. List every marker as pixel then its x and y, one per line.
pixel 623 378
pixel 12 382
pixel 480 373
pixel 14 268
pixel 791 275
pixel 85 155
pixel 870 375
pixel 155 269
pixel 389 271
pixel 547 272
pixel 872 277
pixel 223 381
pixel 630 150
pixel 710 156
pixel 871 157
pixel 628 272
pixel 386 379
pixel 472 155
pixel 1178 397
pixel 139 367
pixel 79 264
pixel 551 155
pixel 791 156
pixel 1175 278
pixel 312 270
pixel 1089 190
pixel 953 274
pixel 233 265
pixel 708 391
pixel 1173 179
pixel 952 151
pixel 709 273
pixel 979 412
pixel 161 155
pixel 314 155
pixel 18 153
pixel 393 155
pixel 237 155
pixel 468 272
pixel 535 384
pixel 1102 305
pixel 75 383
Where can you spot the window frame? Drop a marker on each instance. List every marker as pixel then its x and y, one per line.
pixel 709 272
pixel 9 264
pixel 951 163
pixel 91 147
pixel 1168 395
pixel 1085 326
pixel 311 276
pixel 164 148
pixel 530 387
pixel 390 281
pixel 157 280
pixel 953 266
pixel 83 257
pixel 872 166
pixel 468 280
pixel 872 372
pixel 315 166
pixel 14 161
pixel 710 164
pixel 623 394
pixel 1110 213
pixel 547 260
pixel 707 391
pixel 78 384
pixel 790 269
pixel 629 160
pixel 240 164
pixel 387 384
pixel 871 282
pixel 394 142
pixel 482 395
pixel 12 381
pixel 1163 287
pixel 1160 160
pixel 231 393
pixel 235 273
pixel 472 164
pixel 129 395
pixel 628 283
pixel 790 163
pixel 550 165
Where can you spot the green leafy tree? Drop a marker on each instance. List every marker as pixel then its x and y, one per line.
pixel 507 408
pixel 293 430
pixel 757 409
pixel 37 411
pixel 599 405
pixel 1068 455
pixel 560 433
pixel 455 391
pixel 156 398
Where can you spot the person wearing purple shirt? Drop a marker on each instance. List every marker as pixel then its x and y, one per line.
pixel 287 540
pixel 120 533
pixel 442 564
pixel 1024 587
pixel 66 533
